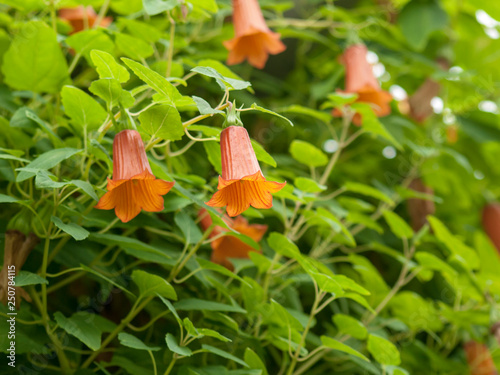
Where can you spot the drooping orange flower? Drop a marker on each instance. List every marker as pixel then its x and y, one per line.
pixel 452 133
pixel 491 223
pixel 479 359
pixel 76 18
pixel 359 79
pixel 226 247
pixel 133 187
pixel 420 101
pixel 16 250
pixel 242 184
pixel 253 39
pixel 418 208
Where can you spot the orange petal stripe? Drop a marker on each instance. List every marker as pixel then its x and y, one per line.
pixel 239 195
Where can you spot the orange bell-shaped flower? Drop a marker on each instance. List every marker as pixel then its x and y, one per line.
pixel 418 208
pixel 491 223
pixel 253 39
pixel 359 79
pixel 242 184
pixel 479 359
pixel 76 17
pixel 420 101
pixel 226 247
pixel 133 187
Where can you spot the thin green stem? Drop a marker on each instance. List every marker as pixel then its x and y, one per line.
pixel 177 269
pixel 314 310
pixel 136 309
pixel 171 365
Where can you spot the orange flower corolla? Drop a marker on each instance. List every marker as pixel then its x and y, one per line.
pixel 418 208
pixel 242 184
pixel 359 79
pixel 479 359
pixel 253 39
pixel 76 17
pixel 226 247
pixel 491 223
pixel 133 187
pixel 420 101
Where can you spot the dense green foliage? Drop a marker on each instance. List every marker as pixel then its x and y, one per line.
pixel 344 284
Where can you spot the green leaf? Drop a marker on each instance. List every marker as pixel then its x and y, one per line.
pixel 45 161
pixel 211 333
pixel 190 328
pixel 337 345
pixel 208 5
pixel 152 285
pixel 107 67
pixel 369 191
pixel 254 361
pixel 81 108
pixel 300 110
pixel 173 346
pixel 432 262
pixel 154 7
pixel 348 325
pixel 283 246
pixel 307 154
pixel 43 181
pixel 398 226
pixel 110 90
pixel 27 278
pixel 143 30
pixel 204 107
pixel 308 185
pixel 214 157
pixel 8 199
pixel 340 99
pixel 162 121
pixel 193 304
pixel 85 41
pixel 384 351
pixel 81 327
pixel 223 354
pixel 208 265
pixel 468 256
pixel 133 47
pixel 34 60
pixel 74 230
pixel 134 247
pixel 265 110
pixel 94 272
pixel 167 92
pixel 171 308
pixel 262 155
pixel 189 229
pixel 371 123
pixel 419 19
pixel 224 82
pixel 221 68
pixel 133 342
pixel 86 187
pixel 417 313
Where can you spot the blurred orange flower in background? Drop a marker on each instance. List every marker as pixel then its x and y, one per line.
pixel 81 18
pixel 253 39
pixel 226 247
pixel 242 184
pixel 419 208
pixel 479 359
pixel 491 223
pixel 133 187
pixel 359 79
pixel 420 101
